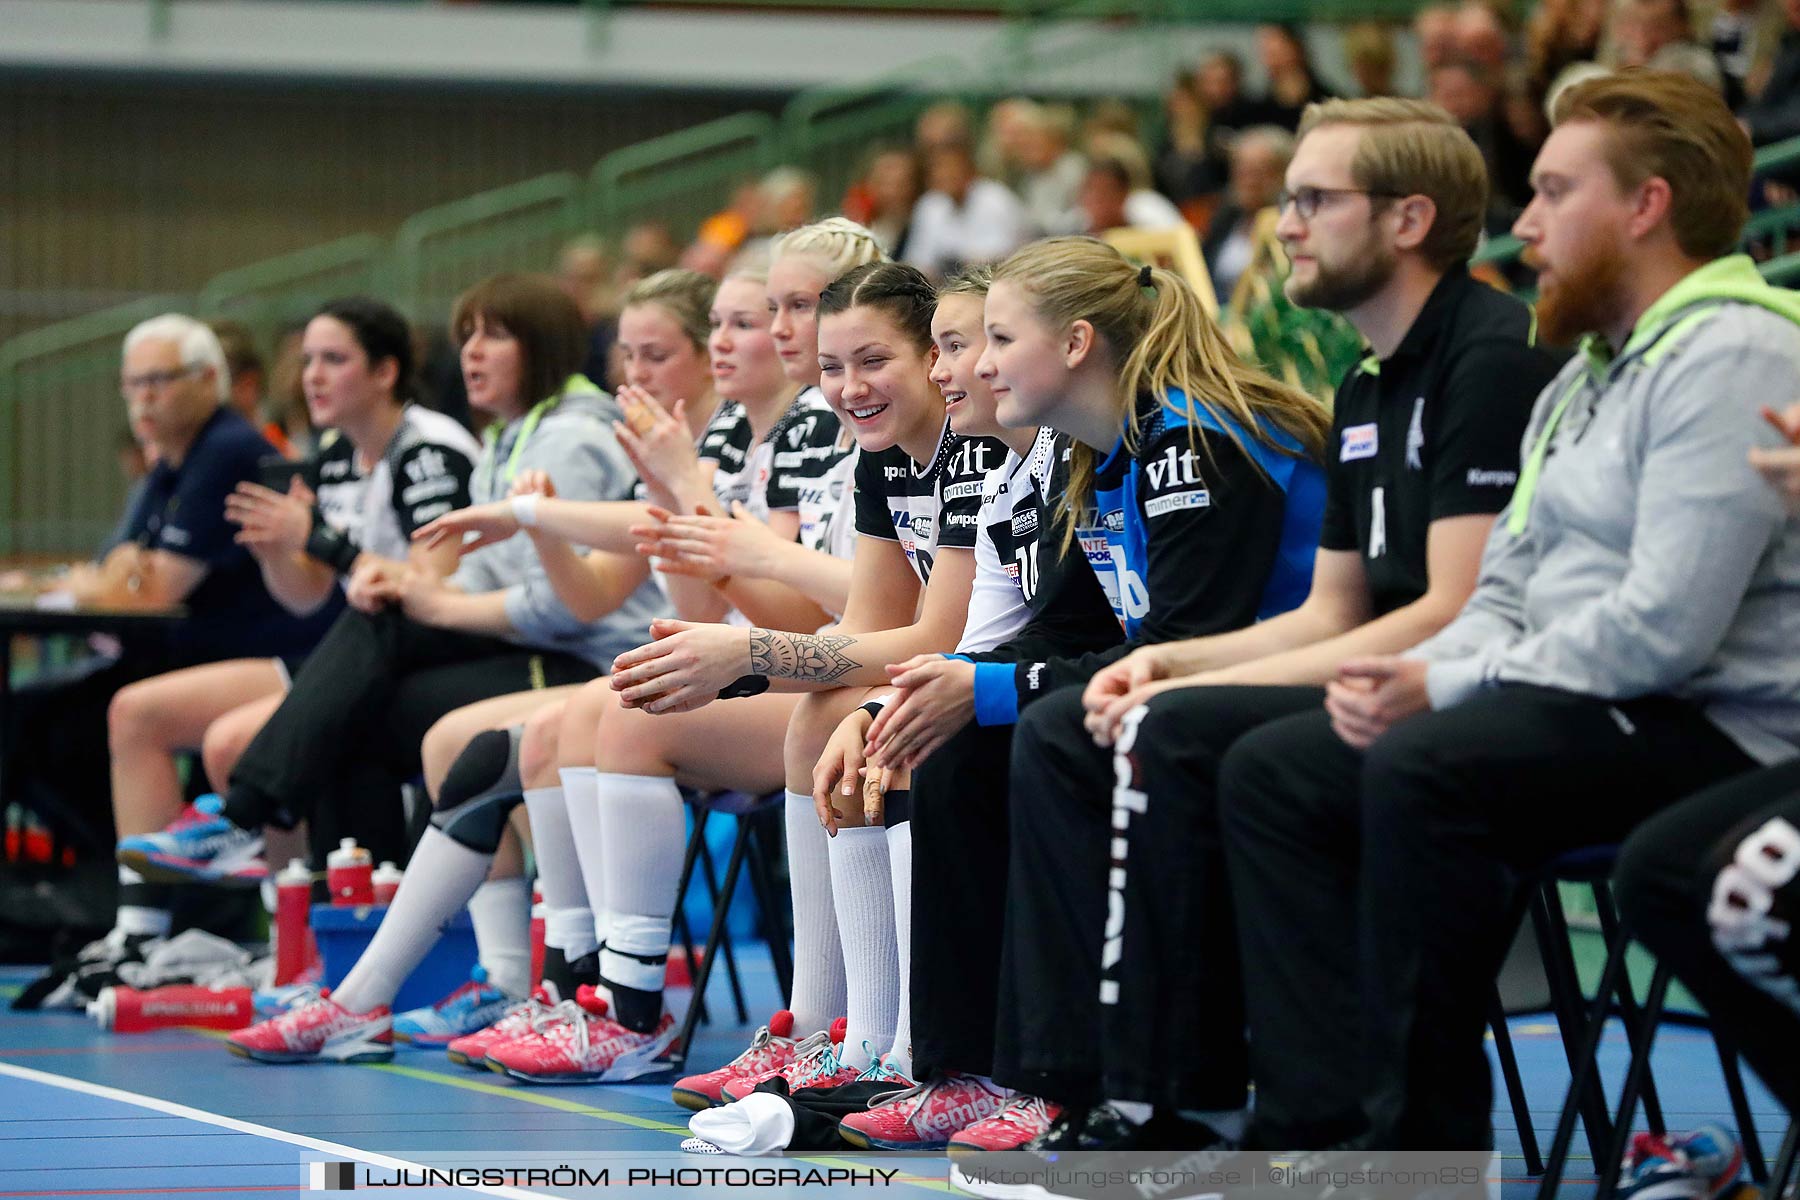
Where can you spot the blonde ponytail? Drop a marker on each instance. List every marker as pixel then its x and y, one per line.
pixel 1165 341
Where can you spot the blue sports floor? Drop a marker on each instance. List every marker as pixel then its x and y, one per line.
pixel 168 1114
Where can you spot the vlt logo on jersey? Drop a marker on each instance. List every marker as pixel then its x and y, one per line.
pixel 1173 467
pixel 1359 441
pixel 970 460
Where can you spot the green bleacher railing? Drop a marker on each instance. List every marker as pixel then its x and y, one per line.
pixel 270 295
pixel 681 177
pixel 439 252
pixel 59 491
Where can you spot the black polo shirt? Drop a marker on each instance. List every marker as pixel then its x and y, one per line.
pixel 1432 431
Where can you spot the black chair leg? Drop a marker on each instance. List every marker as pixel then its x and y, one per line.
pixel 774 910
pixel 1636 1030
pixel 1740 1105
pixel 696 839
pixel 1583 1068
pixel 1565 990
pixel 1634 1081
pixel 1515 1087
pixel 731 970
pixel 713 937
pixel 1783 1174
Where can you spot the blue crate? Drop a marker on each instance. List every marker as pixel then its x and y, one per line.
pixel 343 933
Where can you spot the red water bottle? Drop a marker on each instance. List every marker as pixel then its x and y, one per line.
pixel 350 875
pixel 537 936
pixel 387 882
pixel 293 935
pixel 127 1010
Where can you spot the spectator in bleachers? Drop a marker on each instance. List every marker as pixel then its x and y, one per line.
pixel 724 233
pixel 1622 648
pixel 1560 34
pixel 1470 92
pixel 1259 162
pixel 891 189
pixel 789 196
pixel 1481 36
pixel 646 248
pixel 1369 52
pixel 947 123
pixel 1187 170
pixel 1434 28
pixel 1050 172
pixel 1293 81
pixel 1775 114
pixel 964 219
pixel 581 272
pixel 1220 85
pixel 1116 192
pixel 1659 34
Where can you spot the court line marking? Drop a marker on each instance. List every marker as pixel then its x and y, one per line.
pixel 170 1108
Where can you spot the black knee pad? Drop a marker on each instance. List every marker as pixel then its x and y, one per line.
pixel 481 790
pixel 1756 906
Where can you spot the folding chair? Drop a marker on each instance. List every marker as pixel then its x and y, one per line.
pixel 757 843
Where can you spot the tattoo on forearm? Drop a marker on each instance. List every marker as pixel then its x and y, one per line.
pixel 808 657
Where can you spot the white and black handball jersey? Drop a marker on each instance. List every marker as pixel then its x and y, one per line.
pixel 925 508
pixel 828 504
pixel 766 476
pixel 423 475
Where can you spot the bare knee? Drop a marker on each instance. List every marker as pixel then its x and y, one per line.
pixel 814 720
pixel 539 747
pixel 131 714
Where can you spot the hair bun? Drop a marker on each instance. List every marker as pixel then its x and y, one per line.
pixel 1145 279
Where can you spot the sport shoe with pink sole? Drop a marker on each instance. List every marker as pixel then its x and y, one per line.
pixel 770 1050
pixel 318 1030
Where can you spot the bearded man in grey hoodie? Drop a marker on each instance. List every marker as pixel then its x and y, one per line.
pixel 1625 646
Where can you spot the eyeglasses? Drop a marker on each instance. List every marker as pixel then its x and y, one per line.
pixel 130 385
pixel 1306 200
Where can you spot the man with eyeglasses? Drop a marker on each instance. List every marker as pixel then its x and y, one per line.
pixel 173 547
pixel 1384 206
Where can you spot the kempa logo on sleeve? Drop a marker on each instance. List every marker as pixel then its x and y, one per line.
pixel 331 1177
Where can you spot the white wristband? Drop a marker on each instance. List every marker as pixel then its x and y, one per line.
pixel 524 509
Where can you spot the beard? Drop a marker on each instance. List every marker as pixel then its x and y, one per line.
pixel 1583 297
pixel 1342 287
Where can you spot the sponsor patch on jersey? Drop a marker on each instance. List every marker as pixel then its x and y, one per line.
pixel 958 491
pixel 438 486
pixel 1024 524
pixel 894 472
pixel 1479 477
pixel 1360 441
pixel 961 520
pixel 1113 520
pixel 921 528
pixel 1177 502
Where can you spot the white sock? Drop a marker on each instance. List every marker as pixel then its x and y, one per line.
pixel 818 955
pixel 441 877
pixel 581 798
pixel 644 838
pixel 862 889
pixel 139 919
pixel 559 874
pixel 501 912
pixel 899 839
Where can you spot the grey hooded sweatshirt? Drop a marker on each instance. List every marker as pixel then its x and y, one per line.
pixel 573 443
pixel 1650 558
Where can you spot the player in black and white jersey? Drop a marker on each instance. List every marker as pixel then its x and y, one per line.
pixel 917 495
pixel 484 773
pixel 1032 598
pixel 388 467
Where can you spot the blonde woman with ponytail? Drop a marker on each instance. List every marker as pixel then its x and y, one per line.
pixel 1196 493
